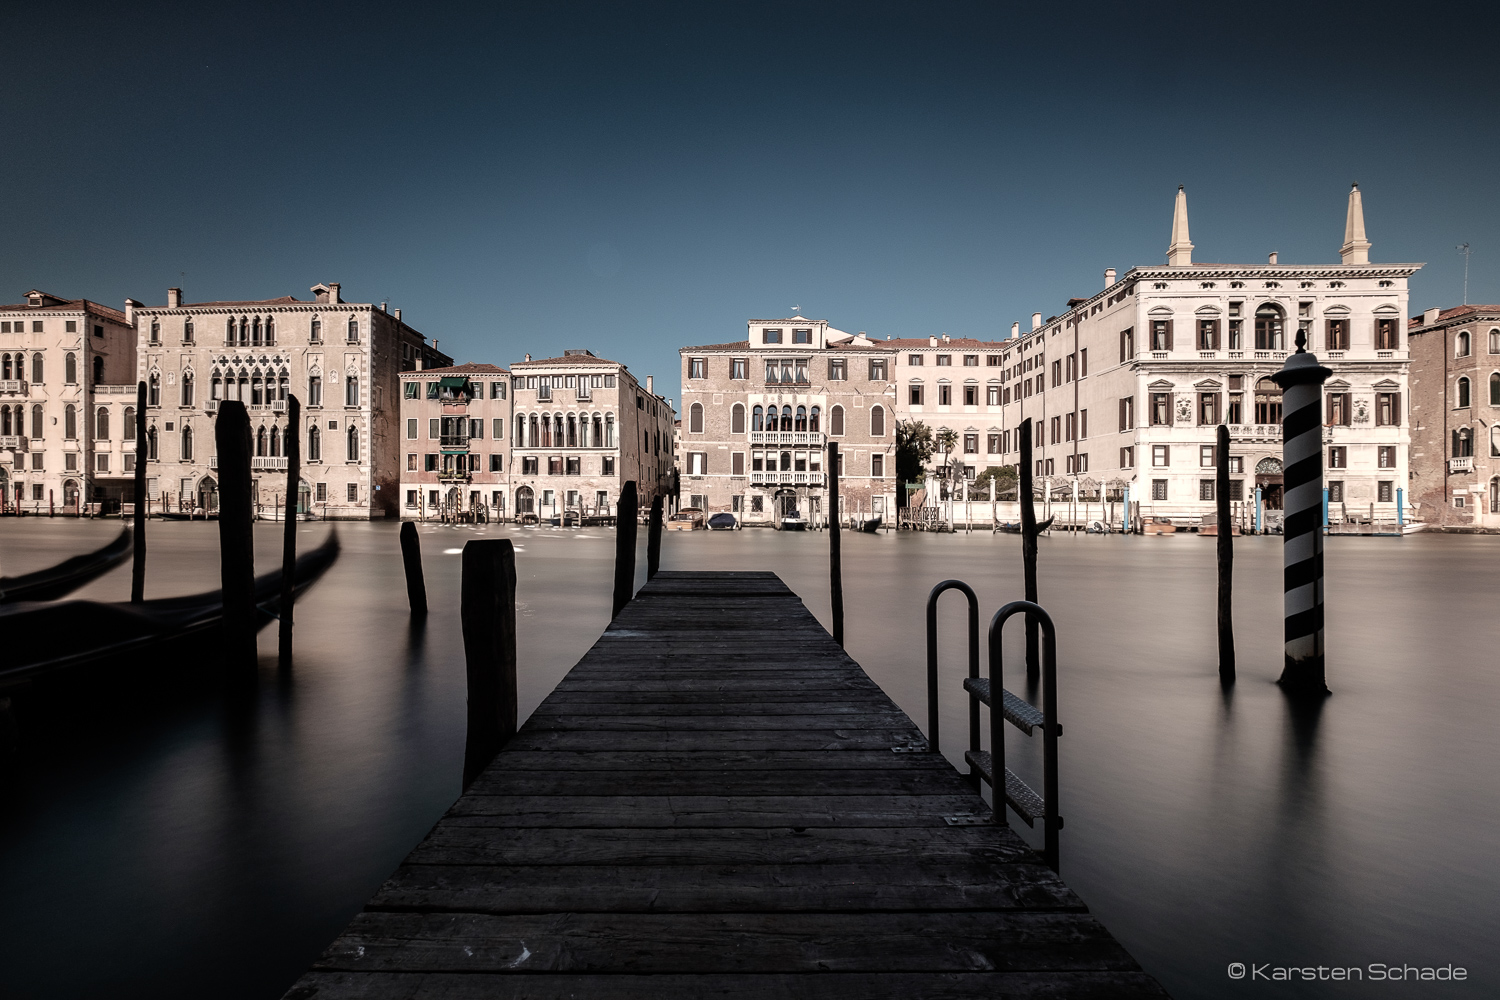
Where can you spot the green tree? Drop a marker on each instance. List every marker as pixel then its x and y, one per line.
pixel 1002 480
pixel 914 446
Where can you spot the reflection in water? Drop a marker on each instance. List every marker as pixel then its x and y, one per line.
pixel 182 840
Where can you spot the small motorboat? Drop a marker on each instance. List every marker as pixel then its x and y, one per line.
pixel 722 521
pixel 182 515
pixel 1158 526
pixel 1014 527
pixel 687 519
pixel 793 521
pixel 571 518
pixel 68 575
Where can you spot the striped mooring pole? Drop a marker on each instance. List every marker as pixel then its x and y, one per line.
pixel 1301 379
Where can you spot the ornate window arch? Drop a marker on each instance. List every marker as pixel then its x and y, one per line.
pixel 127 422
pixel 70 368
pixel 877 421
pixel 187 442
pixel 737 418
pixel 187 387
pixel 836 421
pixel 101 423
pixel 814 419
pixel 695 418
pixel 1462 347
pixel 351 443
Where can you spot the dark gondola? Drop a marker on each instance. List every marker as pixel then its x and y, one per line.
pixel 56 636
pixel 870 525
pixel 1015 528
pixel 722 521
pixel 182 515
pixel 68 575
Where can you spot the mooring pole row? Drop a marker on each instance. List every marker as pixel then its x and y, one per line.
pixel 289 530
pixel 142 508
pixel 236 542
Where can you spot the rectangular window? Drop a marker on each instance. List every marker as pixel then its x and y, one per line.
pixel 915 360
pixel 1161 409
pixel 1056 429
pixel 877 370
pixel 1335 491
pixel 737 464
pixel 1236 407
pixel 430 463
pixel 1158 489
pixel 1338 457
pixel 971 443
pixel 1083 424
pixel 945 395
pixel 1127 344
pixel 877 465
pixel 1338 409
pixel 320 494
pixel 773 372
pixel 992 395
pixel 499 427
pixel 802 336
pixel 352 491
pixel 1207 456
pixel 971 361
pixel 609 465
pixel 1236 489
pixel 1387 409
pixel 411 428
pixel 945 360
pixel 1127 413
pixel 1161 335
pixel 697 368
pixel 555 465
pixel 1072 367
pixel 1051 464
pixel 1070 427
pixel 1385 491
pixel 409 389
pixel 1386 456
pixel 739 368
pixel 971 395
pixel 1387 335
pixel 992 444
pixel 1208 335
pixel 1336 334
pixel 411 498
pixel 574 466
pixel 1208 409
pixel 497 463
pixel 1056 374
pixel 530 465
pixel 411 462
pixel 838 369
pixel 1205 489
pixel 770 337
pixel 993 360
pixel 1127 458
pixel 1161 456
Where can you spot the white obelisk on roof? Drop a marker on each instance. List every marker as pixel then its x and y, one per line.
pixel 1356 249
pixel 1180 253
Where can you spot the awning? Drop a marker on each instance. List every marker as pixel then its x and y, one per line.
pixel 453 382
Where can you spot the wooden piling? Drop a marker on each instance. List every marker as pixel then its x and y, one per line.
pixel 411 559
pixel 138 559
pixel 1225 529
pixel 236 544
pixel 653 537
pixel 835 554
pixel 289 528
pixel 625 534
pixel 488 613
pixel 1028 552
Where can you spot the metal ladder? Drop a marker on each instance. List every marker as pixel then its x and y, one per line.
pixel 983 765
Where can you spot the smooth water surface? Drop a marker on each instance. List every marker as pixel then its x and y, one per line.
pixel 180 846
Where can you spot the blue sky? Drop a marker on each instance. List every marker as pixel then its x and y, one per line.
pixel 632 178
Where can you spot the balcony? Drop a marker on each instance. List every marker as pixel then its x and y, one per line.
pixel 12 442
pixel 1236 355
pixel 454 442
pixel 1207 355
pixel 278 406
pixel 12 387
pixel 261 463
pixel 450 476
pixel 813 438
pixel 1465 464
pixel 211 406
pixel 1385 354
pixel 1159 355
pixel 786 478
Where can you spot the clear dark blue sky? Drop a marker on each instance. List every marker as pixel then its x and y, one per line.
pixel 632 178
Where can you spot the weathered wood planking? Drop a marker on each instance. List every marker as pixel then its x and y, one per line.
pixel 709 805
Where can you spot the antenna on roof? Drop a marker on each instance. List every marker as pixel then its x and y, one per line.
pixel 1463 248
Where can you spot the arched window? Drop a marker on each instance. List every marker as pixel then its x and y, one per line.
pixel 1495 389
pixel 314 390
pixel 1463 393
pixel 257 389
pixel 353 329
pixel 5 420
pixel 836 421
pixel 101 423
pixel 351 390
pixel 317 331
pixel 757 418
pixel 70 422
pixel 244 331
pixel 1495 341
pixel 695 418
pixel 70 368
pixel 598 431
pixel 786 461
pixel 38 374
pixel 229 332
pixel 737 419
pixel 155 331
pixel 255 332
pixel 5 368
pixel 260 443
pixel 216 385
pixel 801 423
pixel 270 332
pixel 283 383
pixel 314 444
pixel 609 430
pixel 127 430
pixel 1463 443
pixel 275 442
pixel 572 431
pixel 187 330
pixel 187 443
pixel 187 388
pixel 877 421
pixel 1270 328
pixel 518 430
pixel 38 421
pixel 786 418
pixel 98 369
pixel 533 437
pixel 813 421
pixel 1461 347
pixel 151 452
pixel 153 389
pixel 352 442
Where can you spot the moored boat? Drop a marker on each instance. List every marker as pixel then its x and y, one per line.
pixel 67 576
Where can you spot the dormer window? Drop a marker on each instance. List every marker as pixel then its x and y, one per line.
pixel 1160 286
pixel 769 336
pixel 1340 284
pixel 1386 284
pixel 802 336
pixel 1273 284
pixel 1207 284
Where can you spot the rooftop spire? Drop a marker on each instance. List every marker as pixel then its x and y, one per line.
pixel 1180 253
pixel 1356 249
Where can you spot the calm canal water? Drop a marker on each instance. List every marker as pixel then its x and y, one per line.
pixel 175 847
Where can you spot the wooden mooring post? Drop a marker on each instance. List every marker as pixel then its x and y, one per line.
pixel 835 554
pixel 488 612
pixel 138 558
pixel 653 537
pixel 411 560
pixel 625 534
pixel 289 530
pixel 1225 530
pixel 1028 553
pixel 236 542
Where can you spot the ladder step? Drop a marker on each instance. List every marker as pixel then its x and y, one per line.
pixel 1021 714
pixel 1018 795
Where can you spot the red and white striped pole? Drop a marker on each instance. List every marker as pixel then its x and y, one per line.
pixel 1301 379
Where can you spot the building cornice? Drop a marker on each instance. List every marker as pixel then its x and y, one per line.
pixel 1197 272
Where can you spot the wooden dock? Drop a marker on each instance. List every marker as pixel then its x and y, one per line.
pixel 709 805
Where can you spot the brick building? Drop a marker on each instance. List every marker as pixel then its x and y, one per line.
pixel 455 427
pixel 1455 415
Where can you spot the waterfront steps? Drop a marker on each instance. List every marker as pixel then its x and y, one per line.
pixel 709 805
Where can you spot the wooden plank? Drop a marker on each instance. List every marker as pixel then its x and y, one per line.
pixel 710 781
pixel 827 739
pixel 743 760
pixel 801 811
pixel 720 722
pixel 1052 985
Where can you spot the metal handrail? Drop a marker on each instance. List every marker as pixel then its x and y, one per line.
pixel 1001 780
pixel 932 670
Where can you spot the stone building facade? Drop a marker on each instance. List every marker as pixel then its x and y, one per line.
pixel 758 414
pixel 455 427
pixel 1127 386
pixel 583 427
pixel 67 403
pixel 1455 415
pixel 341 359
pixel 954 384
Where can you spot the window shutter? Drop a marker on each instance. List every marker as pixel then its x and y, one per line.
pixel 1395 409
pixel 1171 402
pixel 1169 335
pixel 1122 414
pixel 1328 335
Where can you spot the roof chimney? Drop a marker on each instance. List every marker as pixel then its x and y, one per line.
pixel 1015 330
pixel 383 307
pixel 931 341
pixel 174 298
pixel 419 361
pixel 1180 252
pixel 528 357
pixel 1036 321
pixel 398 315
pixel 650 382
pixel 131 305
pixel 1430 316
pixel 1109 276
pixel 1272 258
pixel 333 292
